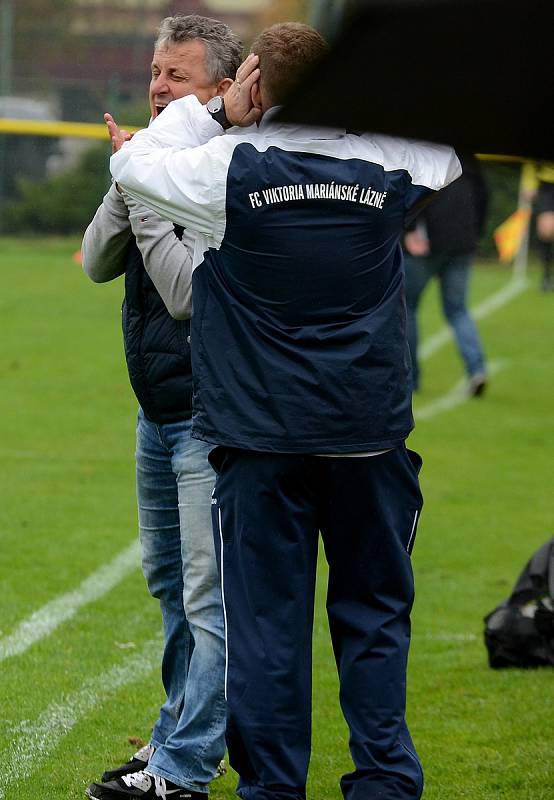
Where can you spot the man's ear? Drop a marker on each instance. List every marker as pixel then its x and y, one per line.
pixel 223 85
pixel 257 96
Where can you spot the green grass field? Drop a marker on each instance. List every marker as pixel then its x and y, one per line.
pixel 72 693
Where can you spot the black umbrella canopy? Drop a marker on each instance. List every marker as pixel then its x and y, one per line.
pixel 476 74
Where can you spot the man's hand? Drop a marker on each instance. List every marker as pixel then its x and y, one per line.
pixel 416 244
pixel 117 135
pixel 239 104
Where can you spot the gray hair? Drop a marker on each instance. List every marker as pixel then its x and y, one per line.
pixel 223 47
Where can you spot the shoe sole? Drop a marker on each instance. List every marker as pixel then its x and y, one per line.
pixel 102 796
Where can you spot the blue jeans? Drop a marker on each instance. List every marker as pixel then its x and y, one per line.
pixel 174 487
pixel 452 272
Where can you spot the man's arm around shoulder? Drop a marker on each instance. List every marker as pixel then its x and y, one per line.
pixel 177 167
pixel 166 167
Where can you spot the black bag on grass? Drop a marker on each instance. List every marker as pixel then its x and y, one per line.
pixel 520 631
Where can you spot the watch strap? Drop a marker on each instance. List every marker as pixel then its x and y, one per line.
pixel 220 116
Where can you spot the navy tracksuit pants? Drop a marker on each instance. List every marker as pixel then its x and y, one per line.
pixel 268 509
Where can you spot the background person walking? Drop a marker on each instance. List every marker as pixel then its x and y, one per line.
pixel 441 244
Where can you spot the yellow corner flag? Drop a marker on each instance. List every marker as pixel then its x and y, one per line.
pixel 508 236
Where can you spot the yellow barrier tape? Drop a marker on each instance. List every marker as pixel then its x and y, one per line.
pixel 80 130
pixel 506 159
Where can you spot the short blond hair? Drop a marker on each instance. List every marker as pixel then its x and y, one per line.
pixel 286 50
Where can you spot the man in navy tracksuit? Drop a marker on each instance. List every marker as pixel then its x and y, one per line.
pixel 302 380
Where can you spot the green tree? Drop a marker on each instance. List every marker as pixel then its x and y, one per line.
pixel 64 203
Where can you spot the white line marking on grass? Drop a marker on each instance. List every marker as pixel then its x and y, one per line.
pixel 455 397
pixel 42 622
pixel 58 458
pixel 490 304
pixel 447 637
pixel 39 738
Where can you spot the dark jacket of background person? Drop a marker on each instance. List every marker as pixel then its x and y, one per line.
pixel 454 219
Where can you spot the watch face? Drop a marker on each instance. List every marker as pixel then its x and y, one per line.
pixel 214 104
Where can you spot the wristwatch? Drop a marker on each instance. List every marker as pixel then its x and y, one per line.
pixel 216 108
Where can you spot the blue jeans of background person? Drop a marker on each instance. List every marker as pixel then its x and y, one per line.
pixel 174 487
pixel 268 511
pixel 452 272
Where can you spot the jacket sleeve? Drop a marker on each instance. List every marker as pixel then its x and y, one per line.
pixel 106 239
pixel 433 165
pixel 170 168
pixel 167 259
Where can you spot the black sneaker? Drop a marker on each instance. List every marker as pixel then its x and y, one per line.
pixel 136 763
pixel 141 786
pixel 477 384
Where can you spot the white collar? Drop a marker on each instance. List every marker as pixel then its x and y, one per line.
pixel 268 124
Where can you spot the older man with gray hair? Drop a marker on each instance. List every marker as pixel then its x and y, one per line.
pixel 200 56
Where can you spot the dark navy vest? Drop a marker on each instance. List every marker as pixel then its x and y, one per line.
pixel 157 347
